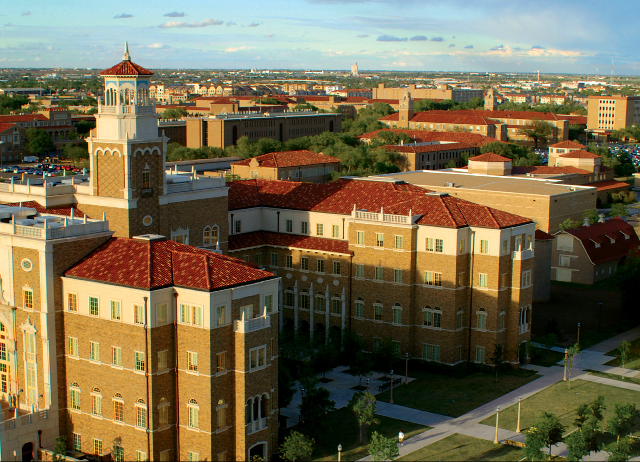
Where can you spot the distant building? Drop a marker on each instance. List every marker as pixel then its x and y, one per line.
pixel 12 141
pixel 444 91
pixel 608 113
pixel 301 165
pixel 354 69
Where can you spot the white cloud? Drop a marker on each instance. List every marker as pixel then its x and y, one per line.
pixel 157 46
pixel 193 24
pixel 234 49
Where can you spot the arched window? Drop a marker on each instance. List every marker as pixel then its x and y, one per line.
pixel 247 411
pixel 397 313
pixel 359 308
pixel 163 412
pixel 482 319
pixel 96 402
pixel 221 414
pixel 75 396
pixel 206 240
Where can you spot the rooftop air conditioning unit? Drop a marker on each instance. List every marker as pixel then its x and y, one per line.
pixel 449 185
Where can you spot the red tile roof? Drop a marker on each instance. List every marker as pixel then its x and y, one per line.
pixel 603 233
pixel 568 144
pixel 497 114
pixel 22 118
pixel 489 157
pixel 52 210
pixel 542 236
pixel 574 119
pixel 126 68
pixel 290 159
pixel 428 147
pixel 581 154
pixel 262 238
pixel 154 264
pixel 549 170
pixel 443 117
pixel 6 126
pixel 422 136
pixel 605 185
pixel 341 196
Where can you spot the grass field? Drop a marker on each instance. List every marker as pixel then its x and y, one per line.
pixel 461 447
pixel 454 396
pixel 633 362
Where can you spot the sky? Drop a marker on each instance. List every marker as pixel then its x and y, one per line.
pixel 561 36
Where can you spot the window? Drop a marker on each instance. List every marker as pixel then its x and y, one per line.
pixel 146 180
pixel 429 246
pixel 517 243
pixel 27 295
pixel 399 244
pixel 194 456
pixel 72 302
pixel 304 300
pixel 336 304
pixel 288 261
pixel 140 361
pixel 141 414
pixel 377 312
pixel 238 228
pixel 335 231
pixel 304 263
pixel 320 265
pixel 221 359
pixel 524 320
pixel 431 352
pixel 97 447
pixel 75 399
pixel 73 347
pixel 359 308
pixel 118 408
pixel 480 354
pixel 163 413
pixel 432 278
pixel 320 303
pixel 257 358
pixel 96 402
pixel 484 246
pixel 118 453
pixel 319 229
pixel 379 240
pixel 526 278
pixel 77 442
pixel 505 246
pixel 462 246
pixel 259 259
pixel 336 267
pixel 221 415
pixel 289 226
pixel 288 297
pixel 221 315
pixel 397 314
pixel 162 360
pixel 304 227
pixel 397 276
pixel 482 319
pixel 93 306
pixel 501 320
pixel 432 317
pixel 115 310
pixel 360 237
pixel 459 320
pixel 138 314
pixel 161 314
pixel 94 351
pixel 274 259
pixel 359 270
pixel 142 456
pixel 196 315
pixel 379 275
pixel 439 245
pixel 192 361
pixel 482 280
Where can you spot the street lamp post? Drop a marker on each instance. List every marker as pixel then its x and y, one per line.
pixel 566 356
pixel 406 368
pixel 391 397
pixel 578 340
pixel 495 440
pixel 300 418
pixel 367 385
pixel 519 402
pixel 339 452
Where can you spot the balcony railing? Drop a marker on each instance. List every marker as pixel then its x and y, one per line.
pixel 252 325
pixel 381 216
pixel 257 425
pixel 24 420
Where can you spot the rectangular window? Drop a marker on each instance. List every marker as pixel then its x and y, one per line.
pixel 75 400
pixel 115 310
pixel 359 310
pixel 377 312
pixel 221 418
pixel 335 231
pixel 505 246
pixel 259 259
pixel 304 227
pixel 96 405
pixel 360 237
pixel 397 276
pixel 459 353
pixel 304 263
pixel 463 246
pixel 196 315
pixel 194 456
pixel 431 352
pixel 94 351
pixel 274 259
pixel 288 261
pixel 459 320
pixel 97 447
pixel 359 270
pixel 432 278
pixel 192 361
pixel 185 314
pixel 28 299
pixel 482 320
pixel 221 315
pixel 77 442
pixel 257 357
pixel 161 314
pixel 221 360
pixel 289 226
pixel 268 303
pixel 72 302
pixel 336 267
pixel 116 356
pixel 140 361
pixel 429 246
pixel 141 417
pixel 336 306
pixel 142 456
pixel 397 316
pixel 379 275
pixel 482 280
pixel 73 347
pixel 146 180
pixel 163 415
pixel 138 314
pixel 501 321
pixel 238 226
pixel 319 229
pixel 320 266
pixel 480 354
pixel 484 246
pixel 526 278
pixel 399 243
pixel 93 306
pixel 118 453
pixel 379 240
pixel 439 245
pixel 162 360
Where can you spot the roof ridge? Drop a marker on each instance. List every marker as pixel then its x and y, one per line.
pixel 150 259
pixel 446 207
pixel 206 269
pixel 490 210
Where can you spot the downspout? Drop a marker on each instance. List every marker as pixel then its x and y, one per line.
pixel 15 359
pixel 175 343
pixel 278 226
pixel 146 366
pixel 350 278
pixel 472 262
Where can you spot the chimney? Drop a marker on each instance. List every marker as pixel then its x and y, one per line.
pixel 587 223
pixel 601 220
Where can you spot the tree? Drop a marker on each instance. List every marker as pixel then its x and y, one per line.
pixel 534 442
pixel 576 445
pixel 623 419
pixel 363 404
pixel 382 448
pixel 75 152
pixel 324 358
pixel 296 446
pixel 59 449
pixel 619 210
pixel 623 351
pixel 316 404
pixel 569 223
pixel 286 388
pixel 592 214
pixel 497 358
pixel 362 366
pixel 550 429
pixel 383 356
pixel 620 451
pixel 536 131
pixel 38 141
pixel 568 360
pixel 174 113
pixel 626 278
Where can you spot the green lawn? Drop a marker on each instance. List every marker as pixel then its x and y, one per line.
pixel 605 375
pixel 341 427
pixel 633 362
pixel 454 396
pixel 546 358
pixel 563 402
pixel 462 447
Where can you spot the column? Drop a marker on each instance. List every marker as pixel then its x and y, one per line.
pixel 327 304
pixel 280 306
pixel 343 315
pixel 311 309
pixel 295 305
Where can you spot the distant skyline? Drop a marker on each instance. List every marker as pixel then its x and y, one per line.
pixel 567 36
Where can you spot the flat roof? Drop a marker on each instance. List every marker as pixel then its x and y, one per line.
pixel 437 179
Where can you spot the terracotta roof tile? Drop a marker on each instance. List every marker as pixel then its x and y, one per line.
pixel 290 159
pixel 489 157
pixel 608 184
pixel 443 117
pixel 581 154
pixel 568 144
pixel 602 233
pixel 126 68
pixel 262 238
pixel 22 118
pixel 6 126
pixel 422 136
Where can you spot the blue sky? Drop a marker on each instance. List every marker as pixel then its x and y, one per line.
pixel 461 35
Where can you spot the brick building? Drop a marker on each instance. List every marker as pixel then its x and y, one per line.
pixel 301 165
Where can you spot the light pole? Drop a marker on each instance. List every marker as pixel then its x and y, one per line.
pixel 566 356
pixel 495 440
pixel 519 402
pixel 406 368
pixel 300 418
pixel 339 452
pixel 391 397
pixel 367 385
pixel 578 341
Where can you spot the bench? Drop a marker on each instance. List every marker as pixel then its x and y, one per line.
pixel 517 444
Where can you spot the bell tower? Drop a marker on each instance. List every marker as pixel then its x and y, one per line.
pixel 489 100
pixel 405 110
pixel 127 158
